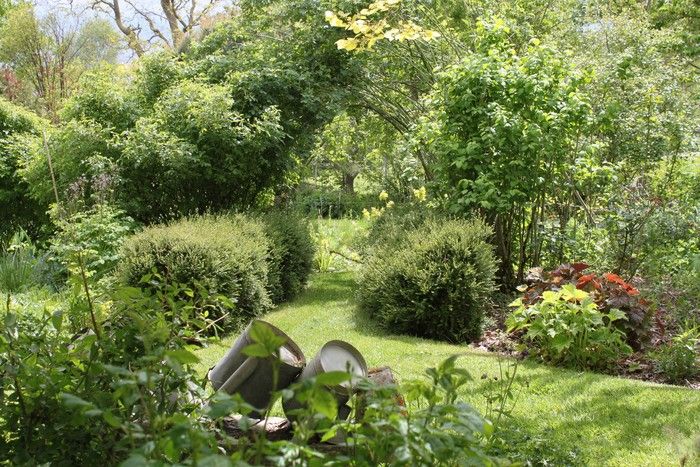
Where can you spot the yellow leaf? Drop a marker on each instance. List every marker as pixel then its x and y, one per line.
pixel 347 44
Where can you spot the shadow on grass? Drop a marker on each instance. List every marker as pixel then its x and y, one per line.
pixel 624 413
pixel 600 414
pixel 325 288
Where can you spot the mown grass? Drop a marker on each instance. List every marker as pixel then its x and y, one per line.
pixel 594 419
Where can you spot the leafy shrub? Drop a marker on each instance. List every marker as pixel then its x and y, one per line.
pixel 501 125
pixel 196 152
pixel 106 97
pixel 291 254
pixel 129 392
pixel 97 397
pixel 608 291
pixel 434 283
pixel 566 327
pixel 679 360
pixel 92 238
pixel 18 208
pixel 83 160
pixel 213 255
pixel 157 72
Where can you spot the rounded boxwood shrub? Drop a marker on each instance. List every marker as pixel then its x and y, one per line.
pixel 291 254
pixel 432 283
pixel 220 255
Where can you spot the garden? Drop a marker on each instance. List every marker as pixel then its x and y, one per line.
pixel 349 233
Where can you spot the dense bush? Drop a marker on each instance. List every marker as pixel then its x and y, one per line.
pixel 566 327
pixel 90 240
pixel 291 254
pixel 19 210
pixel 679 360
pixel 106 97
pixel 197 152
pixel 83 160
pixel 87 400
pixel 608 291
pixel 434 283
pixel 503 128
pixel 253 262
pixel 212 255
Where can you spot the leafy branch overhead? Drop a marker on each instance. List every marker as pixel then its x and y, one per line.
pixel 374 23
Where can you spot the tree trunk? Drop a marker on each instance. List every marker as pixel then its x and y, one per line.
pixel 505 273
pixel 349 182
pixel 171 16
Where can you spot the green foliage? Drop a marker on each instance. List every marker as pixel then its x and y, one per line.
pixel 302 75
pixel 332 204
pixel 679 359
pixel 155 74
pixel 521 110
pixel 637 94
pixel 439 426
pixel 19 209
pixel 83 157
pixel 105 97
pixel 91 239
pixel 434 283
pixel 196 153
pixel 291 254
pixel 214 256
pixel 91 398
pixel 567 328
pixel 608 291
pixel 503 128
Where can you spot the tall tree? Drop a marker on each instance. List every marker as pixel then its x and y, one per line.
pixel 49 54
pixel 180 17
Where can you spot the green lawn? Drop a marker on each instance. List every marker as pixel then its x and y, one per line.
pixel 604 420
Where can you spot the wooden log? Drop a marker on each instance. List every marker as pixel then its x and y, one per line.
pixel 277 428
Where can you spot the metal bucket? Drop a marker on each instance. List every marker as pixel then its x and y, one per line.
pixel 333 356
pixel 252 377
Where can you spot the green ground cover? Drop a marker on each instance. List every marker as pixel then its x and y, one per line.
pixel 594 419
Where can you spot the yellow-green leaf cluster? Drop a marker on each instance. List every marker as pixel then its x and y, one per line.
pixel 368 27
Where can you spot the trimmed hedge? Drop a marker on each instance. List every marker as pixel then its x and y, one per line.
pixel 224 255
pixel 253 261
pixel 291 254
pixel 433 283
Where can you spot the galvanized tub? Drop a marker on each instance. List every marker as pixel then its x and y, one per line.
pixel 252 377
pixel 335 355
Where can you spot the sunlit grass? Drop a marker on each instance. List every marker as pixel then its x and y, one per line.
pixel 335 243
pixel 604 420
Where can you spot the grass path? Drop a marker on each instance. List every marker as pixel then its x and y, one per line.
pixel 604 420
